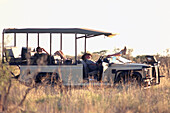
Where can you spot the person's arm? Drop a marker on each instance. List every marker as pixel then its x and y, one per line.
pixel 62 54
pixel 45 51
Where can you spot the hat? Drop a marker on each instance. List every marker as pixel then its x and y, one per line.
pixel 83 57
pixel 38 48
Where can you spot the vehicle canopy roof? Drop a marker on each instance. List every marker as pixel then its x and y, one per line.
pixel 84 33
pixel 88 32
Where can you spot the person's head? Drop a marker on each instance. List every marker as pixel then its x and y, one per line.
pixel 86 56
pixel 39 49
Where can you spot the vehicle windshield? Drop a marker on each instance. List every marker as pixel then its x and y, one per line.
pixel 119 60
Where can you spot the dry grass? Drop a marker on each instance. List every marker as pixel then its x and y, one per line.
pixel 48 99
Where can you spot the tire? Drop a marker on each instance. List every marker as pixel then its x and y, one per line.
pixel 121 79
pixel 47 78
pixel 126 77
pixel 137 77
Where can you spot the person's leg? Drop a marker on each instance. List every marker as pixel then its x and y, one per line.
pixel 122 52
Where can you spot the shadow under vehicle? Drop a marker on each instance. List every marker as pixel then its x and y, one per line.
pixel 74 71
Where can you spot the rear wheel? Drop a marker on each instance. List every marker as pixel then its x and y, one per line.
pixel 47 78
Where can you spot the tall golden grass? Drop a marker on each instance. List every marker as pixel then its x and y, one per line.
pixel 126 99
pixel 48 99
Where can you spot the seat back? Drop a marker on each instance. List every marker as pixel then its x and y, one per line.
pixel 12 52
pixel 27 55
pixel 12 55
pixel 85 69
pixel 23 53
pixel 8 54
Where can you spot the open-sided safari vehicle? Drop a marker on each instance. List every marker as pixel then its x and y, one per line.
pixel 74 71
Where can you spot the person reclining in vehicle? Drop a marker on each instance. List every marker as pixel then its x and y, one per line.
pixel 97 66
pixel 66 61
pixel 41 58
pixel 91 67
pixel 61 54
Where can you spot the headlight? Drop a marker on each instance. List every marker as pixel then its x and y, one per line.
pixel 145 69
pixel 146 72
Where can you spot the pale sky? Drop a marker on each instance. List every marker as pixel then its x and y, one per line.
pixel 143 25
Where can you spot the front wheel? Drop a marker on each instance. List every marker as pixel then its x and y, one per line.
pixel 128 77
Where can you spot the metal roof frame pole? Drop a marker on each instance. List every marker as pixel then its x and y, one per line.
pixel 27 42
pixel 3 47
pixel 50 45
pixel 14 39
pixel 38 40
pixel 85 43
pixel 76 48
pixel 61 37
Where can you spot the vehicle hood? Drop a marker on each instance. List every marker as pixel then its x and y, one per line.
pixel 137 64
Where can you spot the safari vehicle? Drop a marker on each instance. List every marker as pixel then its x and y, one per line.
pixel 75 71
